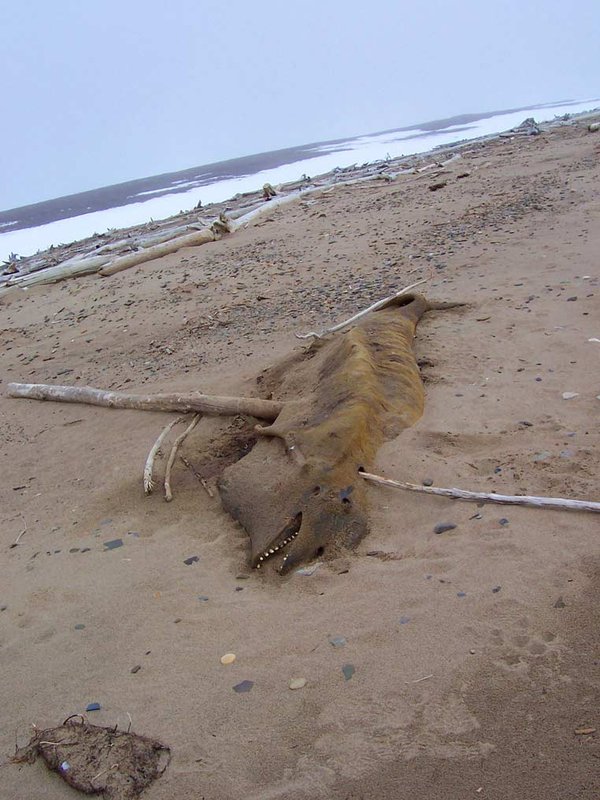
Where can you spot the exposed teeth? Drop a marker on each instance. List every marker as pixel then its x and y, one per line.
pixel 268 553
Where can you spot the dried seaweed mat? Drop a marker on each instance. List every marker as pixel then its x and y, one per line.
pixel 97 760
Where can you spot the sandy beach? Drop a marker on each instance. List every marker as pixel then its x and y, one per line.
pixel 454 665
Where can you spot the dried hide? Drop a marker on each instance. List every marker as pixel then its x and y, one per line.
pixel 298 493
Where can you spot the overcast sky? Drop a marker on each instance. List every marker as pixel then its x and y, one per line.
pixel 95 92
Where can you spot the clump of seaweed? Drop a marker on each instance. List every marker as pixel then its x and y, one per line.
pixel 98 760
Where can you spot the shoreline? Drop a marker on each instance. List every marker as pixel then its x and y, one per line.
pixel 195 216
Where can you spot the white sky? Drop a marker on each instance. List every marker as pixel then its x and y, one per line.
pixel 96 92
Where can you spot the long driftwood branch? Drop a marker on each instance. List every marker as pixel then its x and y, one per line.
pixel 181 402
pixel 158 251
pixel 504 499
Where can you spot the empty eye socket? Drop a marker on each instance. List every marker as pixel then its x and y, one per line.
pixel 346 501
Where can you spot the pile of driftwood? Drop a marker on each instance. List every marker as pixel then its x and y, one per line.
pixel 148 242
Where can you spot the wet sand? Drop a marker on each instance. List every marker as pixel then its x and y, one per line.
pixel 475 652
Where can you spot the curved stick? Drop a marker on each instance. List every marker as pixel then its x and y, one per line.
pixel 182 402
pixel 375 307
pixel 149 465
pixel 173 454
pixel 559 503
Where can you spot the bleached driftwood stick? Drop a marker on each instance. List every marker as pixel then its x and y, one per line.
pixel 173 454
pixel 379 304
pixel 149 465
pixel 182 402
pixel 158 251
pixel 487 497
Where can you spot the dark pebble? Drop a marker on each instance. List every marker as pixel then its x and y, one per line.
pixel 135 669
pixel 203 598
pixel 427 482
pixel 525 423
pixel 85 550
pixel 337 641
pixel 80 626
pixel 461 594
pixel 239 588
pixel 3 608
pixel 442 527
pixel 348 670
pixel 404 620
pixel 571 299
pixel 503 521
pixel 176 621
pixel 244 686
pixel 560 603
pixel 496 589
pixel 497 470
pixel 74 550
pixel 114 543
pixel 191 560
pixel 93 707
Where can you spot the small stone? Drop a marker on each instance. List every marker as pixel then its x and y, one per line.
pixel 560 603
pixel 177 621
pixel 113 544
pixel 244 686
pixel 80 626
pixel 203 598
pixel 584 731
pixel 348 671
pixel 297 683
pixel 503 521
pixel 496 589
pixel 308 571
pixel 228 658
pixel 3 608
pixel 135 669
pixel 427 482
pixel 461 594
pixel 442 527
pixel 337 641
pixel 74 550
pixel 569 395
pixel 571 299
pixel 543 456
pixel 191 560
pixel 497 470
pixel 404 620
pixel 93 707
